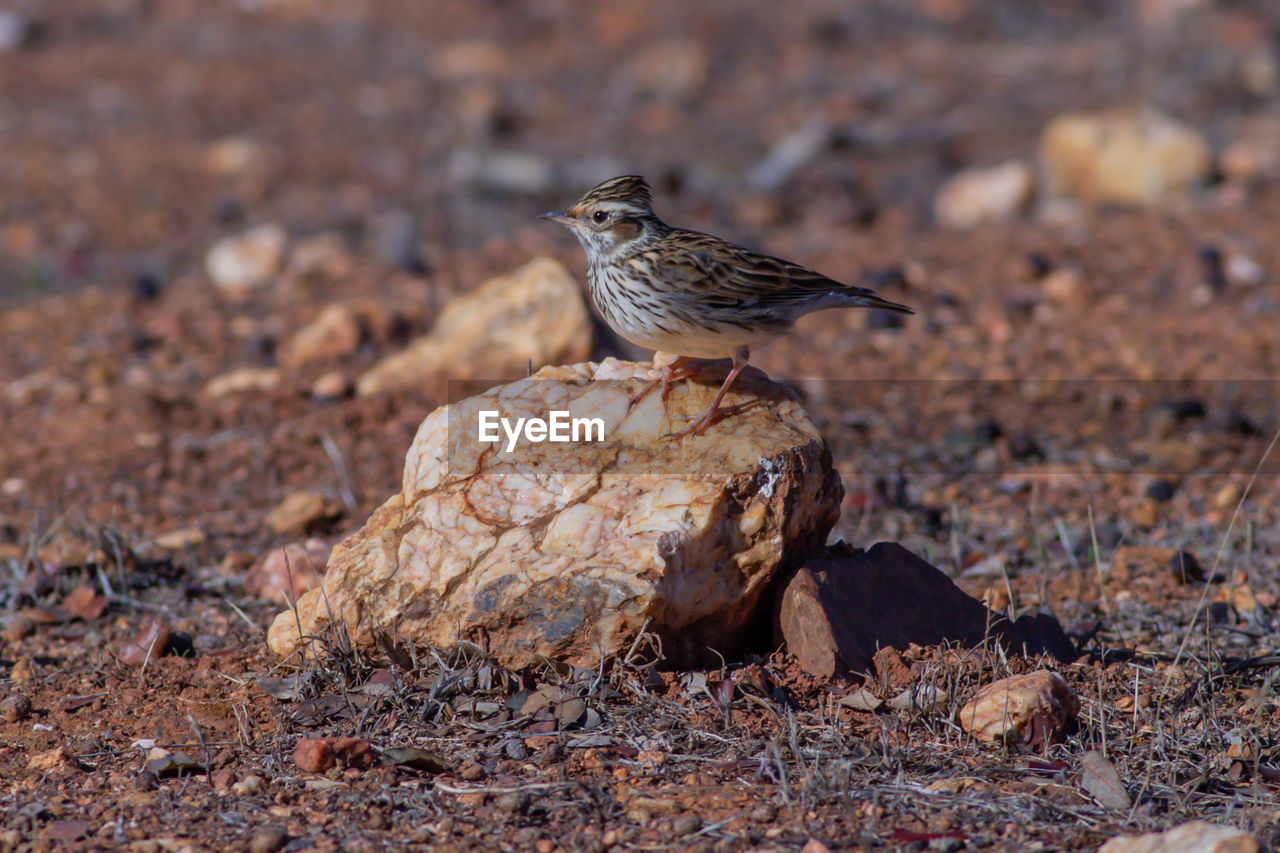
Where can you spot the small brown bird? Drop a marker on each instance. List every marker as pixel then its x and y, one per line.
pixel 691 294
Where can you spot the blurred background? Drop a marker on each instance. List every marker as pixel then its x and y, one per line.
pixel 137 131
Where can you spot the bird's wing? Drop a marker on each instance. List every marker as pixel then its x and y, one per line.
pixel 719 274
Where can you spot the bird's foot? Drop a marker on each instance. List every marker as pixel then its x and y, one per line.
pixel 673 372
pixel 713 415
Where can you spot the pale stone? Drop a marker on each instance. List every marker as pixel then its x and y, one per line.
pixel 235 155
pixel 335 332
pixel 980 196
pixel 532 315
pixel 301 510
pixel 1198 836
pixel 1032 708
pixel 247 260
pixel 568 550
pixel 243 380
pixel 321 255
pixel 1122 157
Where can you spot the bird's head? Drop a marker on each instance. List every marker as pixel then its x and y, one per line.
pixel 611 216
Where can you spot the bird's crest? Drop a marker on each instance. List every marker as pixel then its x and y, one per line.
pixel 628 189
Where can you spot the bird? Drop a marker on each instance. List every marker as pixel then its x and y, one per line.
pixel 691 294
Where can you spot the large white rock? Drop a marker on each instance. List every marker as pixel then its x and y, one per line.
pixel 568 550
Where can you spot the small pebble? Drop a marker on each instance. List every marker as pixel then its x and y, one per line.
pixel 248 786
pixel 686 824
pixel 1161 490
pixel 269 839
pixel 516 802
pixel 764 813
pixel 19 626
pixel 15 708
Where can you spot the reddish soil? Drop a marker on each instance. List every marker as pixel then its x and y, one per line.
pixel 1155 406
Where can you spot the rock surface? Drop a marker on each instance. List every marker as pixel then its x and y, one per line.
pixel 1198 836
pixel 568 550
pixel 1121 157
pixel 534 314
pixel 842 605
pixel 978 196
pixel 1032 708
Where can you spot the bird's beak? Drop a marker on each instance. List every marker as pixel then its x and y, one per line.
pixel 561 216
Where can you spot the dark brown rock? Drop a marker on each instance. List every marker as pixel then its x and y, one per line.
pixel 838 608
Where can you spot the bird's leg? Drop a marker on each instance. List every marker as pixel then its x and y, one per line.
pixel 714 412
pixel 676 370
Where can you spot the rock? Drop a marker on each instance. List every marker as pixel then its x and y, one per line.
pixel 283 574
pixel 332 386
pixel 247 260
pixel 320 256
pixel 316 755
pixel 1228 496
pixel 1143 512
pixel 171 765
pixel 54 759
pixel 534 314
pixel 180 539
pixel 269 839
pixel 980 196
pixel 15 708
pixel 565 550
pixel 1065 286
pixel 1122 157
pixel 335 332
pixel 248 786
pixel 1034 708
pixel 1099 779
pixel 235 155
pixel 1259 72
pixel 302 511
pixel 669 70
pixel 15 31
pixel 313 755
pixel 19 626
pixel 151 641
pixel 841 605
pixel 84 603
pixel 1198 836
pixel 243 380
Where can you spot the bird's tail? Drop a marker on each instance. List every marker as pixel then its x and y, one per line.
pixel 864 298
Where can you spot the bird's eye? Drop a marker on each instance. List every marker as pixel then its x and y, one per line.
pixel 599 216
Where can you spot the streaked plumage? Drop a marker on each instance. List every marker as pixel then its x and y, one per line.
pixel 689 293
